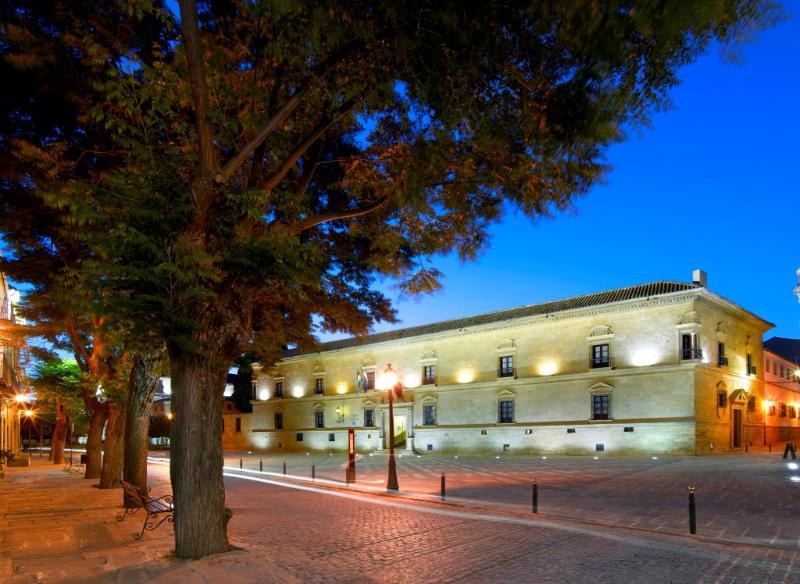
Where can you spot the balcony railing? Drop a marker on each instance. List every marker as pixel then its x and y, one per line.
pixel 599 362
pixel 722 361
pixel 751 370
pixel 691 354
pixel 429 380
pixel 506 372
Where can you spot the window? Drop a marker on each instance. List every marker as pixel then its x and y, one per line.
pixel 751 369
pixel 751 403
pixel 278 421
pixel 279 389
pixel 505 414
pixel 689 348
pixel 783 410
pixel 369 382
pixel 319 386
pixel 722 398
pixel 429 375
pixel 253 390
pixel 319 419
pixel 600 405
pixel 506 366
pixel 600 357
pixel 238 424
pixel 429 415
pixel 369 418
pixel 331 437
pixel 722 360
pixel 792 412
pixel 771 410
pixel 299 436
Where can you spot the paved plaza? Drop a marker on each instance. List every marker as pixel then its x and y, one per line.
pixel 605 520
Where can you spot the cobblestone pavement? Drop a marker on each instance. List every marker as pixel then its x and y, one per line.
pixel 752 498
pixel 56 527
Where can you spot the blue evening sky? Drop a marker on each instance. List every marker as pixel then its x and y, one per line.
pixel 712 184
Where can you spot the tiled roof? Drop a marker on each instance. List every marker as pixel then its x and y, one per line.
pixel 585 301
pixel 789 349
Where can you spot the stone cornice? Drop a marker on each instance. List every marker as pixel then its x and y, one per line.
pixel 610 308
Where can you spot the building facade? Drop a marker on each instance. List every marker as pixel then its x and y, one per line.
pixel 665 367
pixel 782 390
pixel 9 371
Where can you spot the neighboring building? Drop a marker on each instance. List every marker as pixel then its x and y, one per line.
pixel 782 389
pixel 10 370
pixel 665 367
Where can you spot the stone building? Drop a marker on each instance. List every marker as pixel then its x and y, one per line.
pixel 664 367
pixel 9 370
pixel 782 389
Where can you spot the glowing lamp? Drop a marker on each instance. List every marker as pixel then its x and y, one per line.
pixel 28 413
pixel 644 357
pixel 412 380
pixel 297 391
pixel 169 415
pixel 341 388
pixel 547 368
pixel 19 398
pixel 465 375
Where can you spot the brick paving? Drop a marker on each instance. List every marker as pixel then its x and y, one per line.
pixel 740 498
pixel 56 527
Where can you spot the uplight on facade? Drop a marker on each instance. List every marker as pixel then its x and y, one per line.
pixel 412 380
pixel 549 367
pixel 298 391
pixel 341 388
pixel 465 375
pixel 263 394
pixel 644 357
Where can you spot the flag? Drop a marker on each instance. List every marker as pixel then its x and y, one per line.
pixel 359 380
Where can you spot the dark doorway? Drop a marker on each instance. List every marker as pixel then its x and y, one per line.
pixel 737 428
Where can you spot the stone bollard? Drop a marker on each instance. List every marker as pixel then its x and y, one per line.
pixel 692 512
pixel 313 473
pixel 241 464
pixel 260 465
pixel 284 467
pixel 443 489
pixel 535 497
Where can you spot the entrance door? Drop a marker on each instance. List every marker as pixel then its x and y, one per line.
pixel 737 428
pixel 400 431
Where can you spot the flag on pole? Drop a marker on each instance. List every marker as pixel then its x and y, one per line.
pixel 359 380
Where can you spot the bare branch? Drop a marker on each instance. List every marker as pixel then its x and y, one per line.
pixel 310 222
pixel 322 69
pixel 314 135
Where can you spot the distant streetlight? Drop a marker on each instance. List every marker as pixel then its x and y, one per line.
pixel 392 386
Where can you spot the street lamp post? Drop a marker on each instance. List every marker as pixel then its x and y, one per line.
pixel 393 385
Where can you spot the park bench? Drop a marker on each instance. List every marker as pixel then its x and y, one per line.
pixel 136 499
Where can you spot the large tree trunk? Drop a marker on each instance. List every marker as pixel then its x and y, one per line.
pixel 201 517
pixel 111 471
pixel 141 389
pixel 94 442
pixel 59 433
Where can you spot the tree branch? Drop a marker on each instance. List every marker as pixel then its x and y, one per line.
pixel 198 84
pixel 310 222
pixel 230 167
pixel 274 180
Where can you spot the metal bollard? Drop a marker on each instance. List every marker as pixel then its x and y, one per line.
pixel 770 447
pixel 535 497
pixel 745 449
pixel 313 473
pixel 241 464
pixel 260 465
pixel 444 491
pixel 284 467
pixel 692 512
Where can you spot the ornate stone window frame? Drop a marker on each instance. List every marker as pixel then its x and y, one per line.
pixel 505 395
pixel 430 400
pixel 690 328
pixel 429 358
pixel 508 348
pixel 601 334
pixel 368 404
pixel 601 388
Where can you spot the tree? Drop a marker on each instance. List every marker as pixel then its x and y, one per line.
pixel 273 157
pixel 59 382
pixel 243 384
